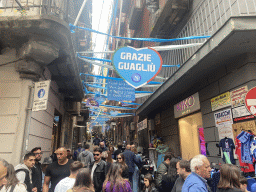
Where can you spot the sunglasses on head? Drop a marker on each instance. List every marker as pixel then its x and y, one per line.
pixel 96 154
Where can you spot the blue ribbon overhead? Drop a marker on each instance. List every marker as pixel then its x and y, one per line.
pixel 115 78
pixel 73 27
pixel 107 60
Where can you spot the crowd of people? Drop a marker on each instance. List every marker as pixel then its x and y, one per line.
pixel 109 169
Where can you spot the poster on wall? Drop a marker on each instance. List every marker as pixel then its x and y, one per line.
pixel 225 131
pixel 223 117
pixel 238 96
pixel 202 141
pixel 240 112
pixel 220 101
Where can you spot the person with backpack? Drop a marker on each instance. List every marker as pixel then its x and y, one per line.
pixel 24 171
pixel 78 151
pixel 13 184
pixel 163 169
pixel 86 157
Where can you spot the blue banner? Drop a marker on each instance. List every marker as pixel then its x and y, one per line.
pixel 120 91
pixel 137 66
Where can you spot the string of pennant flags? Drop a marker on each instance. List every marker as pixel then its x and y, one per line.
pixel 150 66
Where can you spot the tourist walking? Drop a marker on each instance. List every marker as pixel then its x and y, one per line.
pixel 24 172
pixel 86 157
pixel 114 181
pixel 201 170
pixel 136 173
pixel 83 182
pixel 229 179
pixel 163 169
pixel 3 172
pixel 13 184
pixel 131 161
pixel 183 170
pixel 68 182
pixel 57 170
pixel 37 169
pixel 169 179
pixel 120 159
pixel 149 185
pixel 98 170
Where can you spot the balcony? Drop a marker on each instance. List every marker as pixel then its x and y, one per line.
pixel 43 24
pixel 14 8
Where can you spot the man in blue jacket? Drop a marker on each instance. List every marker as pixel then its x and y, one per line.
pixel 201 170
pixel 130 160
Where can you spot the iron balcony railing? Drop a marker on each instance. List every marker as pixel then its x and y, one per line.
pixel 206 19
pixel 57 8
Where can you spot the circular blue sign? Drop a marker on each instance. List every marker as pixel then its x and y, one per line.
pixel 136 77
pixel 41 93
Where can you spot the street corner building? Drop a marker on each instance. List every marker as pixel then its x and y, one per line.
pixel 37 45
pixel 201 105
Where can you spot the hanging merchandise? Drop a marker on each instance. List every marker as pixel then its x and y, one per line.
pixel 245 139
pixel 227 146
pixel 137 66
pixel 245 167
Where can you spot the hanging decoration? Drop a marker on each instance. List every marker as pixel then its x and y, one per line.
pixel 73 27
pixel 137 66
pixel 120 91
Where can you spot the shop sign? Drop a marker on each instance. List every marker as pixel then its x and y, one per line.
pixel 250 101
pixel 223 117
pixel 187 106
pixel 137 66
pixel 145 123
pixel 41 95
pixel 220 101
pixel 237 96
pixel 157 119
pixel 240 112
pixel 142 125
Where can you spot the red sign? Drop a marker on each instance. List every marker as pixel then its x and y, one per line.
pixel 250 101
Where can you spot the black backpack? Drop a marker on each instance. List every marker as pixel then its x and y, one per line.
pixel 27 179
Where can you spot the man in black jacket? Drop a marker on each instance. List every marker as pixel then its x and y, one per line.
pixel 37 170
pixel 130 160
pixel 98 170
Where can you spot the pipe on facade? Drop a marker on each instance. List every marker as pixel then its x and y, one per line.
pixel 27 123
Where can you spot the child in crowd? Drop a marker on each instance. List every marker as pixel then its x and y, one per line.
pixel 149 183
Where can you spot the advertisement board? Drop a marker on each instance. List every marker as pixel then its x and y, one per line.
pixel 223 117
pixel 221 101
pixel 238 96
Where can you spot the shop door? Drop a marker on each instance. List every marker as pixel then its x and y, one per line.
pixel 189 137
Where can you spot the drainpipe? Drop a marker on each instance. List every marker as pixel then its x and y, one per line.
pixel 27 123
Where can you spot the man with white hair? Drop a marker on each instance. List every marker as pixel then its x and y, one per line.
pixel 201 170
